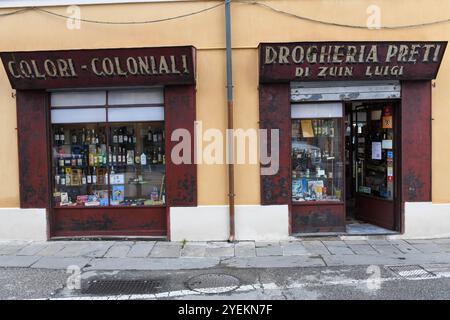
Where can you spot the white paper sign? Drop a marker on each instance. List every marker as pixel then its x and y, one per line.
pixel 376 150
pixel 387 144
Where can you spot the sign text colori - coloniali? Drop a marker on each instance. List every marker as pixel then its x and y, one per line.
pixel 103 67
pixel 350 60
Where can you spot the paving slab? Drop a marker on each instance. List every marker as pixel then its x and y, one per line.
pixel 387 249
pixel 428 247
pixel 268 249
pixel 442 241
pixel 90 249
pixel 295 248
pixel 352 242
pixel 245 249
pixel 51 249
pixel 60 262
pixel 17 261
pixel 272 262
pixel 363 249
pixel 166 250
pixel 405 247
pixel 334 243
pixel 445 247
pixel 119 250
pixel 340 249
pixel 194 250
pixel 152 264
pixel 221 249
pixel 32 249
pixel 316 247
pixel 11 249
pixel 141 249
pixel 379 241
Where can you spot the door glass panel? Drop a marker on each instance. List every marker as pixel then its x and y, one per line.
pixel 317 160
pixel 375 150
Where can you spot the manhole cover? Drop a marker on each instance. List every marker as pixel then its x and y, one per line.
pixel 213 283
pixel 411 272
pixel 120 287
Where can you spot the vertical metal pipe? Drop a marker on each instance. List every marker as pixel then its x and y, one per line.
pixel 230 146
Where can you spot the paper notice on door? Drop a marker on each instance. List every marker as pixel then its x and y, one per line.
pixel 386 144
pixel 307 129
pixel 376 150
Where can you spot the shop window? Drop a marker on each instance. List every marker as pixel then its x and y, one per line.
pixel 317 152
pixel 106 155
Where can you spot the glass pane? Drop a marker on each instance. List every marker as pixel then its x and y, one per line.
pixel 78 98
pixel 375 155
pixel 88 115
pixel 79 165
pixel 317 160
pixel 136 114
pixel 316 110
pixel 137 164
pixel 136 96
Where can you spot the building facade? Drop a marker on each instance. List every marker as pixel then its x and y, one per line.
pixel 102 100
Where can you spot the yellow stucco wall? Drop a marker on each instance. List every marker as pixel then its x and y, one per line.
pixel 251 24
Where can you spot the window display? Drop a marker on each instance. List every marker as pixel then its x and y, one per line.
pixel 317 167
pixel 120 164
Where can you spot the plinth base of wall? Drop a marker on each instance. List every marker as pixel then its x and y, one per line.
pixel 252 222
pixel 23 224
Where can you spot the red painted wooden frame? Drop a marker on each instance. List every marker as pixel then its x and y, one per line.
pixel 33 125
pixel 413 171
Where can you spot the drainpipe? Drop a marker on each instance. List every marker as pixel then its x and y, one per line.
pixel 230 146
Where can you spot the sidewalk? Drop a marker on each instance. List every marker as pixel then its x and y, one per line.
pixel 156 255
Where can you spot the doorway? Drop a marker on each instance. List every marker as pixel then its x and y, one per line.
pixel 371 166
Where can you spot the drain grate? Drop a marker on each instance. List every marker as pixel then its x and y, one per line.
pixel 213 283
pixel 121 287
pixel 412 272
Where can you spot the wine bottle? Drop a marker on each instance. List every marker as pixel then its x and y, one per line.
pixel 94 176
pixel 83 179
pixel 120 135
pixel 149 134
pixel 62 138
pixel 89 176
pixel 125 135
pixel 115 138
pixel 57 141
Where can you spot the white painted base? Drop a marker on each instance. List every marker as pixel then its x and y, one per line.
pixel 23 224
pixel 426 220
pixel 252 222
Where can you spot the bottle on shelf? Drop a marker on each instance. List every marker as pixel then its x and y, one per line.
pixel 115 136
pixel 155 156
pixel 94 176
pixel 159 155
pixel 89 176
pixel 120 135
pixel 125 135
pixel 62 177
pixel 62 137
pixel 57 140
pixel 149 134
pixel 74 137
pixel 83 178
pixel 143 159
pixel 114 156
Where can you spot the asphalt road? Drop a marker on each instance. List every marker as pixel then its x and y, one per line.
pixel 350 282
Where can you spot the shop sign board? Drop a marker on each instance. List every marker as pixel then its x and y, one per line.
pixel 313 61
pixel 100 67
